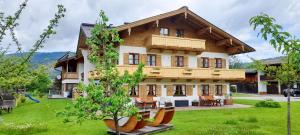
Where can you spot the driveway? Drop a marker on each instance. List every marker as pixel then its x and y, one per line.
pixel 279 98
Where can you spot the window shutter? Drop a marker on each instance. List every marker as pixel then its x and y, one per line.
pixel 224 89
pixel 199 90
pixel 158 90
pixel 211 89
pixel 158 60
pixel 142 91
pixel 143 58
pixel 212 63
pixel 200 62
pixel 126 58
pixel 169 90
pixel 186 61
pixel 189 90
pixel 223 63
pixel 173 61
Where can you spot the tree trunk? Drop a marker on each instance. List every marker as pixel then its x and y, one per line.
pixel 289 110
pixel 117 125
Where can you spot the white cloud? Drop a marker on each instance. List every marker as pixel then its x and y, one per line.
pixel 231 15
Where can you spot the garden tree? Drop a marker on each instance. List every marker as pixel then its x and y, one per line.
pixel 107 98
pixel 19 68
pixel 235 62
pixel 289 71
pixel 40 81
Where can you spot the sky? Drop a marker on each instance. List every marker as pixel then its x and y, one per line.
pixel 230 15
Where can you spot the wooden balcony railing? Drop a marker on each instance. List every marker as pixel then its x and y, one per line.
pixel 178 43
pixel 70 75
pixel 182 73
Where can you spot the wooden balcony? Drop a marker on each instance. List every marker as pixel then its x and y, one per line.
pixel 183 73
pixel 70 75
pixel 177 43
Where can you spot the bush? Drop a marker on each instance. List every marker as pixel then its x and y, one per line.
pixel 23 99
pixel 41 95
pixel 268 104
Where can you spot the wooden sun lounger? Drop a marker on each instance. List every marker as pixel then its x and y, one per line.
pixel 132 124
pixel 163 116
pixel 168 115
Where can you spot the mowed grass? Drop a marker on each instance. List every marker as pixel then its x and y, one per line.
pixel 248 121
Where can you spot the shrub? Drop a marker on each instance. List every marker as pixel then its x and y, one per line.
pixel 41 95
pixel 268 104
pixel 23 99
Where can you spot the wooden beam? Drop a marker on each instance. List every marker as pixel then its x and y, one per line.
pixel 231 50
pixel 204 30
pixel 129 31
pixel 185 15
pixel 157 23
pixel 224 42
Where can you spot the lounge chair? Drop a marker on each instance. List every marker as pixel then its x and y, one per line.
pixel 130 125
pixel 163 116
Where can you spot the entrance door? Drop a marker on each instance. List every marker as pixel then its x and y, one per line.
pixel 272 88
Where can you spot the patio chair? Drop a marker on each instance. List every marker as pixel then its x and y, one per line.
pixel 142 123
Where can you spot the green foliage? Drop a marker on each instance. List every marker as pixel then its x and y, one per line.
pixel 109 98
pixel 18 74
pixel 268 104
pixel 41 81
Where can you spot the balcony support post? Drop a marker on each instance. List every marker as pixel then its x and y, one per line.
pixel 157 23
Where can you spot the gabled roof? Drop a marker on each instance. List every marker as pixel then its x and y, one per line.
pixel 86 28
pixel 64 58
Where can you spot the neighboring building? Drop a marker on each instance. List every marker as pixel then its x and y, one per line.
pixel 185 56
pixel 259 82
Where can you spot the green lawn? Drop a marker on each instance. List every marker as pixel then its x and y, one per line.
pixel 251 121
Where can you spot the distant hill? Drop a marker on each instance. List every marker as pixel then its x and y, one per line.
pixel 45 58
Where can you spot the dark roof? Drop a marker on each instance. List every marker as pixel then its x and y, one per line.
pixel 64 58
pixel 273 61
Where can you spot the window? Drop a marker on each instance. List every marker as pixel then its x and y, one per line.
pixel 205 62
pixel 179 33
pixel 151 60
pixel 180 90
pixel 151 90
pixel 164 31
pixel 218 63
pixel 179 61
pixel 72 66
pixel 134 91
pixel 219 89
pixel 133 58
pixel 205 90
pixel 70 86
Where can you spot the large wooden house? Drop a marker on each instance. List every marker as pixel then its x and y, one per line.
pixel 185 56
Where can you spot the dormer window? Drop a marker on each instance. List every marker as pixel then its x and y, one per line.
pixel 179 33
pixel 164 31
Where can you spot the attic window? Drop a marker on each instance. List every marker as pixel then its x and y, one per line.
pixel 179 33
pixel 164 31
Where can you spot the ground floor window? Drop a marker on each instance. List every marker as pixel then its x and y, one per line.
pixel 205 90
pixel 180 90
pixel 219 90
pixel 70 86
pixel 134 91
pixel 151 90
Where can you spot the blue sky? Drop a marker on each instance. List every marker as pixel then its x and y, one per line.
pixel 230 15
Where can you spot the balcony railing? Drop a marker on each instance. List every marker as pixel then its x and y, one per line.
pixel 178 43
pixel 182 73
pixel 70 75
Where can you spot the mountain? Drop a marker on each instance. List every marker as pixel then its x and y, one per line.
pixel 45 58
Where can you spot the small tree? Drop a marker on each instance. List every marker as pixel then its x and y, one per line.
pixel 235 62
pixel 288 72
pixel 108 98
pixel 41 81
pixel 19 69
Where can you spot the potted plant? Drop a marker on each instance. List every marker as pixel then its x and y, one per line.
pixel 195 103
